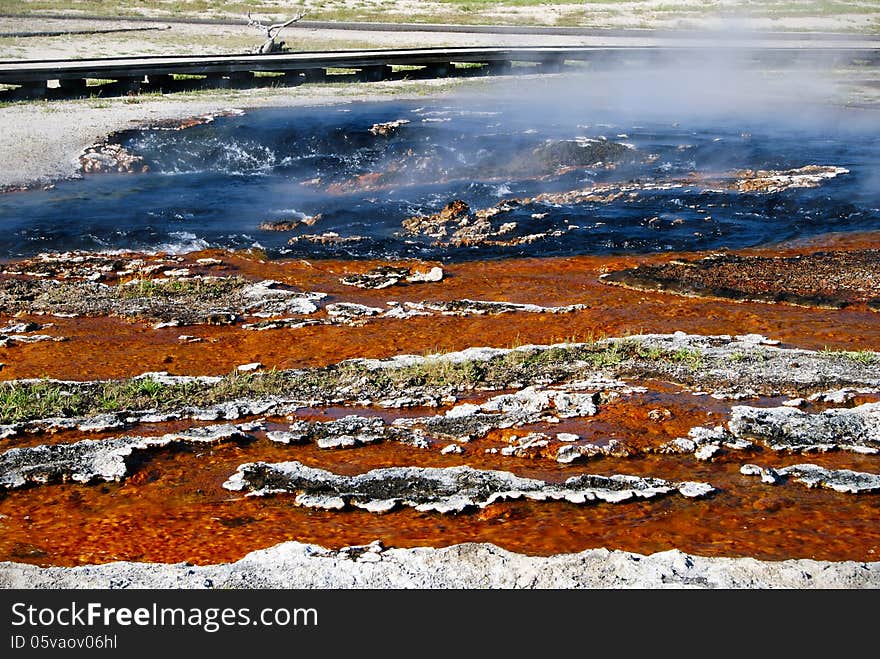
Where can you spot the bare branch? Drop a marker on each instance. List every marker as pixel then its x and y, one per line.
pixel 269 45
pixel 253 22
pixel 278 26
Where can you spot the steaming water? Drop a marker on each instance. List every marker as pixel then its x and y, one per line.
pixel 213 185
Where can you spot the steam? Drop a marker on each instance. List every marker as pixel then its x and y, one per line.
pixel 731 82
pixel 720 81
pixel 697 112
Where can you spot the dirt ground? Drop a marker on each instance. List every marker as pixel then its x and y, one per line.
pixel 817 15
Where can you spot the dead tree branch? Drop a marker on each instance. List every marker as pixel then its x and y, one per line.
pixel 272 30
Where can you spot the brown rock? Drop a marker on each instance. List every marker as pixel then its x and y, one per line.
pixel 454 210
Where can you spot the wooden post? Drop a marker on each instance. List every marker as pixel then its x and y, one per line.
pixel 36 89
pixel 216 81
pixel 161 80
pixel 551 65
pixel 315 75
pixel 129 85
pixel 374 73
pixel 241 78
pixel 293 78
pixel 499 67
pixel 440 69
pixel 72 85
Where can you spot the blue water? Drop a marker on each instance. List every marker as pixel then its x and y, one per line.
pixel 214 184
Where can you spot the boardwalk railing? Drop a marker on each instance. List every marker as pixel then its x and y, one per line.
pixel 34 76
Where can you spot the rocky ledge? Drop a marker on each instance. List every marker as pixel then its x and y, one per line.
pixel 471 565
pixel 443 490
pixel 92 460
pixel 855 429
pixel 830 280
pixel 128 288
pixel 810 475
pixel 723 366
pixel 106 157
pixel 176 299
pixel 785 429
pixel 386 275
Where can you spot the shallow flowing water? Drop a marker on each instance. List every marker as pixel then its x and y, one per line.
pixel 656 184
pixel 212 185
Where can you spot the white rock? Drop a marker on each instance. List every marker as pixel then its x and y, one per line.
pixel 433 275
pixel 345 310
pixel 568 453
pixel 251 426
pixel 283 437
pixel 707 451
pixel 694 490
pixel 463 410
pixel 339 441
pixel 811 475
pixel 461 566
pixel 757 339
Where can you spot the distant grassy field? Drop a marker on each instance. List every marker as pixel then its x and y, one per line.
pixel 847 15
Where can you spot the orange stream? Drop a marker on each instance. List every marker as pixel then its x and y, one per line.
pixel 114 347
pixel 173 507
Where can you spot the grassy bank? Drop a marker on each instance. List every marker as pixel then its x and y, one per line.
pixel 435 377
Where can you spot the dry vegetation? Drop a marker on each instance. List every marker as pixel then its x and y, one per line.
pixel 852 15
